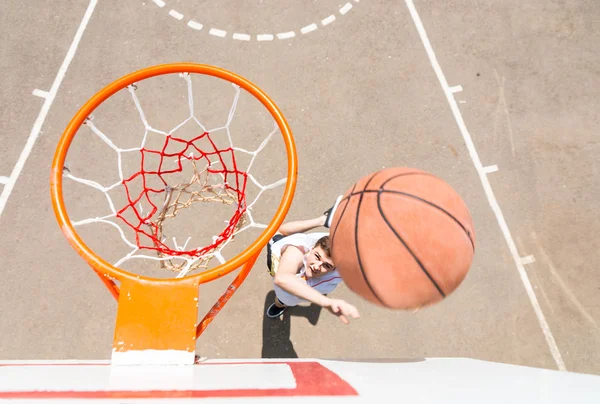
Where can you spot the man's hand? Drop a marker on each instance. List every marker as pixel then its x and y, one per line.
pixel 342 309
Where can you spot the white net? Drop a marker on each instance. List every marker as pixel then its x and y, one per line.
pixel 172 173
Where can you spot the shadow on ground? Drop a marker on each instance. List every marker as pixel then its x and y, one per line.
pixel 276 331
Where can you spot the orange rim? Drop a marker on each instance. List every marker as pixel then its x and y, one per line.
pixel 86 110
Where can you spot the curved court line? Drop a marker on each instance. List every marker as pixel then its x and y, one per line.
pixel 198 26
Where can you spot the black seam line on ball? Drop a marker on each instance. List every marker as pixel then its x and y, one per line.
pixel 439 289
pixel 430 203
pixel 437 207
pixel 352 193
pixel 360 264
pixel 424 201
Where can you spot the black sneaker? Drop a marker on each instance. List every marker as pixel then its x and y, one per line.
pixel 331 211
pixel 274 311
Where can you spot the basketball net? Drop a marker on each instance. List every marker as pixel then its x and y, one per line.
pixel 157 318
pixel 213 180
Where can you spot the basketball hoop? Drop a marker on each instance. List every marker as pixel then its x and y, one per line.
pixel 156 318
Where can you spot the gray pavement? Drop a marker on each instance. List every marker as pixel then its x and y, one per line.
pixel 360 94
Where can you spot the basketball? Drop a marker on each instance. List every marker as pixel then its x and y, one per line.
pixel 402 238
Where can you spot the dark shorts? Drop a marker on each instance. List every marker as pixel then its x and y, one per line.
pixel 275 239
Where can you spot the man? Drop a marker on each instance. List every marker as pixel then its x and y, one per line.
pixel 302 268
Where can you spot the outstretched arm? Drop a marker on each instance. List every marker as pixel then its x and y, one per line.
pixel 301 226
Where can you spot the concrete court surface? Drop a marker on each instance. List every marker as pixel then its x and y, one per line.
pixel 497 98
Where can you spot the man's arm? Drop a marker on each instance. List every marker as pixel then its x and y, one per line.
pixel 301 226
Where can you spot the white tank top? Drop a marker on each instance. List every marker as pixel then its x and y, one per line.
pixel 306 241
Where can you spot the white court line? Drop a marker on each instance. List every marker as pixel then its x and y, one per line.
pixel 260 37
pixel 455 89
pixel 530 259
pixel 241 37
pixel 487 187
pixel 195 25
pixel 346 8
pixel 490 169
pixel 40 93
pixel 309 28
pixel 37 126
pixel 4 180
pixel 264 37
pixel 328 20
pixel 176 14
pixel 217 32
pixel 286 35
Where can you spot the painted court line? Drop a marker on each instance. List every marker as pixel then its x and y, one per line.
pixel 343 10
pixel 328 20
pixel 286 35
pixel 194 25
pixel 217 32
pixel 530 259
pixel 40 93
pixel 347 7
pixel 241 37
pixel 309 28
pixel 487 187
pixel 264 37
pixel 37 126
pixel 490 169
pixel 176 14
pixel 455 89
pixel 4 180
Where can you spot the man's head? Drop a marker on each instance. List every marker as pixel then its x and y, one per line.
pixel 318 260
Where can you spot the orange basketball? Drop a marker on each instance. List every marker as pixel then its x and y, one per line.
pixel 402 238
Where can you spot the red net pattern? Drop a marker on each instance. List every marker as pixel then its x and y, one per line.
pixel 148 226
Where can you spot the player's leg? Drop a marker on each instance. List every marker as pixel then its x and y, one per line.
pixel 276 309
pixel 283 300
pixel 331 211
